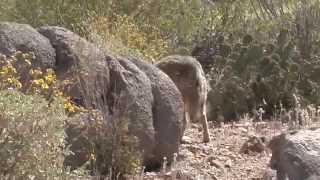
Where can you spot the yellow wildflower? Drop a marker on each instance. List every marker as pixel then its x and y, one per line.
pixel 44 86
pixel 28 62
pixel 27 56
pixel 17 83
pixel 38 82
pixel 50 77
pixel 58 93
pixel 37 73
pixel 9 69
pixel 9 80
pixel 69 107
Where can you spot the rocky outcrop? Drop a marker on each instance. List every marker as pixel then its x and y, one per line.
pixel 120 87
pixel 167 111
pixel 24 38
pixel 189 77
pixel 114 85
pixel 296 155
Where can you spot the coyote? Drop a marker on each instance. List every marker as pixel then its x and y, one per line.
pixel 187 73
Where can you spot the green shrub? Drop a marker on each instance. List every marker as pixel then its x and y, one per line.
pixel 31 136
pixel 153 27
pixel 99 137
pixel 102 146
pixel 255 74
pixel 114 150
pixel 123 36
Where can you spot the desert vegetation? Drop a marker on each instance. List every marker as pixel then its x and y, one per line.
pixel 82 94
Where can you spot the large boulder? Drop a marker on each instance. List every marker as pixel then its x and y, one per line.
pixel 24 38
pixel 76 55
pixel 296 155
pixel 73 52
pixel 130 89
pixel 167 111
pixel 186 72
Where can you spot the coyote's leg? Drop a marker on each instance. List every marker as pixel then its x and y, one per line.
pixel 204 122
pixel 186 119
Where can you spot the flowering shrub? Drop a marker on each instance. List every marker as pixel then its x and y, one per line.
pixel 17 72
pixel 33 123
pixel 31 136
pixel 33 119
pixel 104 146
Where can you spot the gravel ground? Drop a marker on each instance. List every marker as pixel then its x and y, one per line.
pixel 222 159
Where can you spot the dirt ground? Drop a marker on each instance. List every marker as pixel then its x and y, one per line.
pixel 222 158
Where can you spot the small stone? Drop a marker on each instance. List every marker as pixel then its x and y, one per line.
pixel 253 144
pixel 216 164
pixel 228 164
pixel 193 149
pixel 186 140
pixel 243 130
